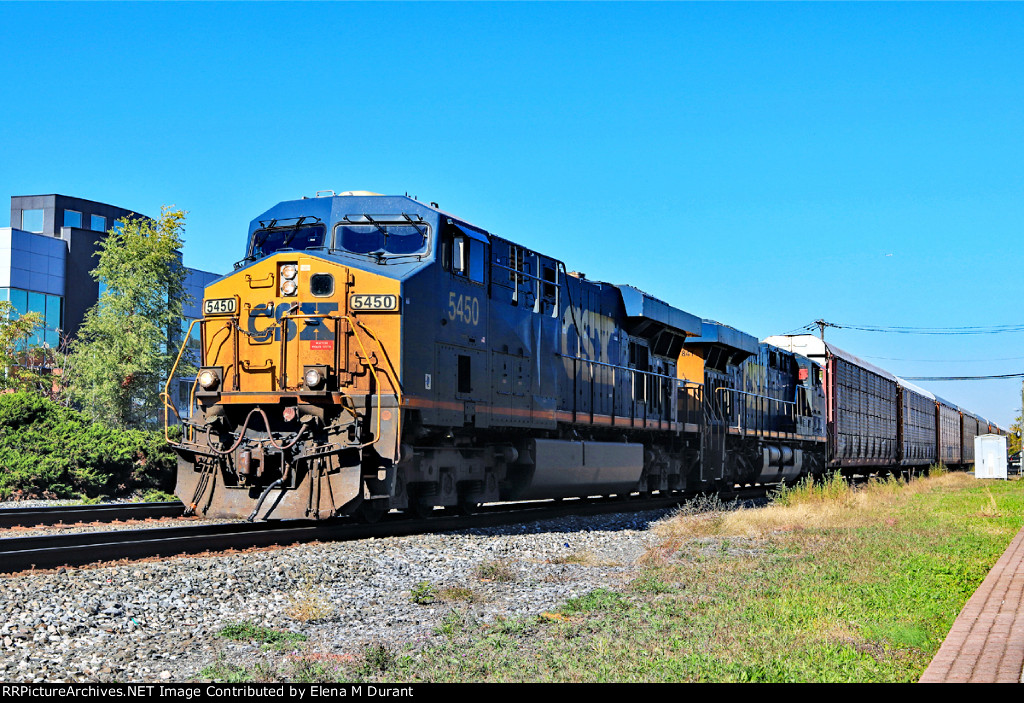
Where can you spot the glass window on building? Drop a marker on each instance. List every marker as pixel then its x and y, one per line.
pixel 97 223
pixel 194 340
pixel 54 312
pixel 37 303
pixel 32 220
pixel 19 299
pixel 49 307
pixel 73 218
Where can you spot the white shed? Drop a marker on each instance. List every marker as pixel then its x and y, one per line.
pixel 990 456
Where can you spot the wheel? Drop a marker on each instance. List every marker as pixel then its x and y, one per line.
pixel 468 506
pixel 421 507
pixel 371 511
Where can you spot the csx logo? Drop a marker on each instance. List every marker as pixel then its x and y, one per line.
pixel 312 327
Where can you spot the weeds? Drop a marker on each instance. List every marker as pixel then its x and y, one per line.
pixel 308 602
pixel 247 631
pixel 650 582
pixel 454 623
pixel 423 593
pixel 223 672
pixel 496 571
pixel 600 599
pixel 833 489
pixel 584 558
pixel 157 496
pixel 454 594
pixel 378 658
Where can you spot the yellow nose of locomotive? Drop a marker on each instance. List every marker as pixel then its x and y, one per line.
pixel 298 325
pixel 298 386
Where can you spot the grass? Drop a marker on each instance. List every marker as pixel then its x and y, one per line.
pixel 582 558
pixel 268 637
pixel 459 594
pixel 828 583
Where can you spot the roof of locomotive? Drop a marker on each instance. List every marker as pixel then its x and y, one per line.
pixel 640 304
pixel 713 332
pixel 333 208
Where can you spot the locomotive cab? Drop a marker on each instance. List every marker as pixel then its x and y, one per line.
pixel 296 406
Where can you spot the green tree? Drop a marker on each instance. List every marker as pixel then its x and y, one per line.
pixel 17 356
pixel 128 341
pixel 1013 441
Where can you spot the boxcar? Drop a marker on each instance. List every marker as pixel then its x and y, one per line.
pixel 947 426
pixel 968 431
pixel 862 404
pixel 916 430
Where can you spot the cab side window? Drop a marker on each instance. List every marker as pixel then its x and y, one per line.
pixel 463 255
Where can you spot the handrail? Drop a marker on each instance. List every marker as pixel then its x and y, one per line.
pixel 395 384
pixel 166 395
pixel 354 325
pixel 754 395
pixel 682 381
pixel 740 415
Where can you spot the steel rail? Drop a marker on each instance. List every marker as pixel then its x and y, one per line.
pixel 106 512
pixel 78 549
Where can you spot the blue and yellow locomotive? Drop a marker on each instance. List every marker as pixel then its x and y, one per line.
pixel 372 353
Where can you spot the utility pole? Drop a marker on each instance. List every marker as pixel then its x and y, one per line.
pixel 821 327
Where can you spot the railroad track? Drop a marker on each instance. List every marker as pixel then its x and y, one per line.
pixel 77 549
pixel 106 512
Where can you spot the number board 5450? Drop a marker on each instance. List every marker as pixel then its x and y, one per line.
pixel 373 302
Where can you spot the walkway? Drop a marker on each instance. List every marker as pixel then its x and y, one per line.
pixel 986 643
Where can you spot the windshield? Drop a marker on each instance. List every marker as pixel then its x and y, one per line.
pixel 382 238
pixel 267 241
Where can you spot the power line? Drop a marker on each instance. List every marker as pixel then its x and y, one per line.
pixel 962 378
pixel 946 361
pixel 900 329
pixel 993 329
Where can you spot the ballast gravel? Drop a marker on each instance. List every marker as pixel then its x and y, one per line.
pixel 158 621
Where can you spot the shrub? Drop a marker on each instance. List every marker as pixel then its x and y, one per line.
pixel 49 450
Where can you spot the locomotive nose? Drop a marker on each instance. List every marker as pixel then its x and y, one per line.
pixel 298 383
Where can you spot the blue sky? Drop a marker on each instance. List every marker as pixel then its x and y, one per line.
pixel 759 164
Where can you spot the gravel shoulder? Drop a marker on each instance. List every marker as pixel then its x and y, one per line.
pixel 158 620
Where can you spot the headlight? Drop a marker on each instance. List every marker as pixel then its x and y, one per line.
pixel 289 271
pixel 289 287
pixel 208 380
pixel 313 378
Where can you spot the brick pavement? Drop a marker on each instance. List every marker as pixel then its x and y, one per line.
pixel 986 643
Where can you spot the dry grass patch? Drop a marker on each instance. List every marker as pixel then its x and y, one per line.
pixel 455 594
pixel 496 571
pixel 584 558
pixel 308 603
pixel 808 506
